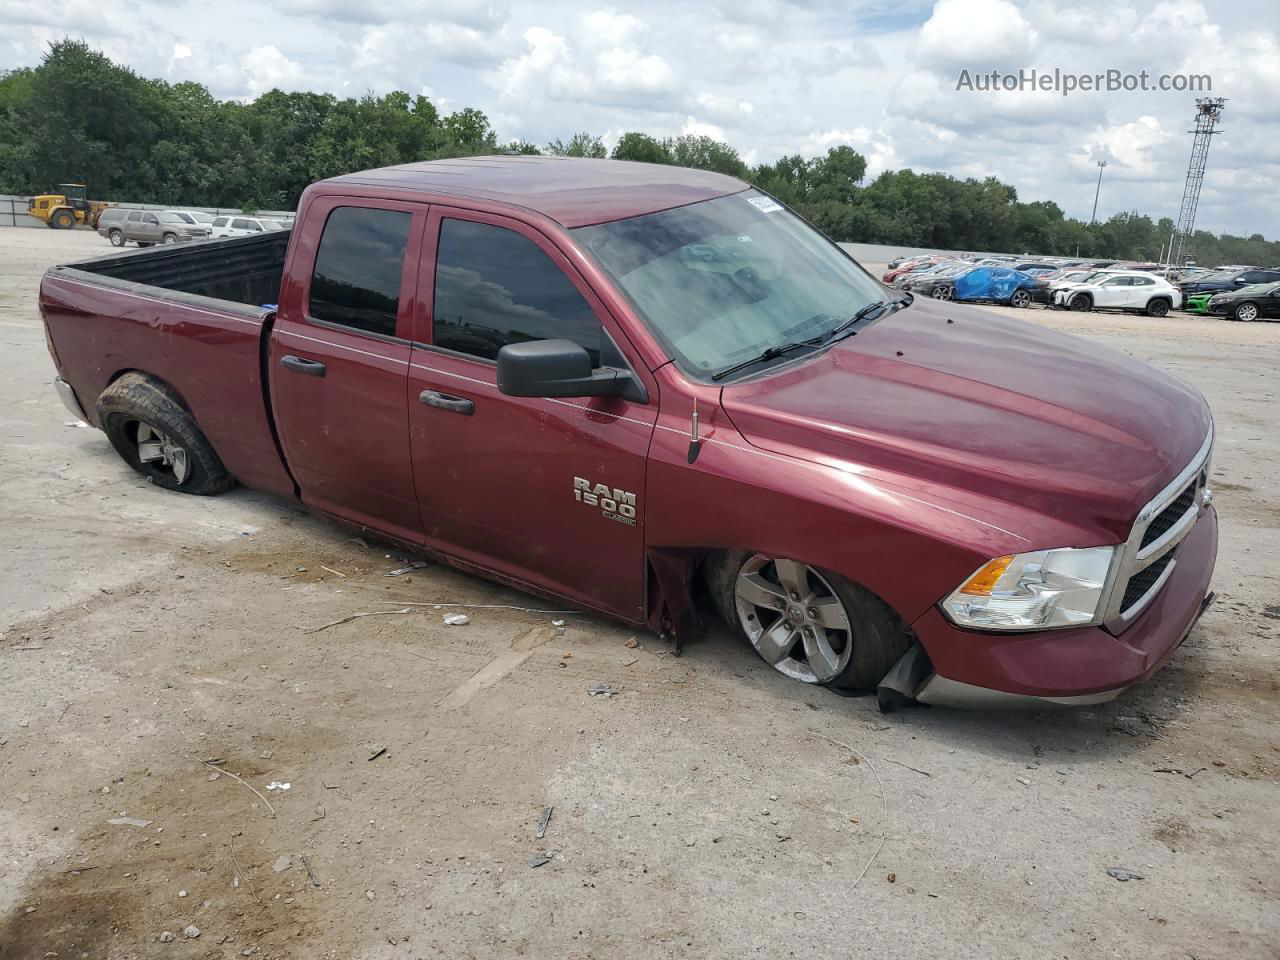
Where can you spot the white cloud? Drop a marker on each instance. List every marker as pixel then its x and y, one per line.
pixel 266 68
pixel 976 34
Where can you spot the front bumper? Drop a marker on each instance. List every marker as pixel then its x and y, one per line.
pixel 1081 666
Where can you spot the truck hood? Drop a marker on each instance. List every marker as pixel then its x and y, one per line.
pixel 948 394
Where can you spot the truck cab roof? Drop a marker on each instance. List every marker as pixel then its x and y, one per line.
pixel 572 191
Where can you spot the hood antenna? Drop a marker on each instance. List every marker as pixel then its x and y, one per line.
pixel 695 443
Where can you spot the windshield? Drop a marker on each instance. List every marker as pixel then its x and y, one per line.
pixel 171 218
pixel 1217 275
pixel 720 281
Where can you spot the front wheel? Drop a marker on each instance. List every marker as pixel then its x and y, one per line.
pixel 944 292
pixel 1020 298
pixel 170 238
pixel 1247 312
pixel 812 625
pixel 116 238
pixel 1081 301
pixel 64 220
pixel 158 437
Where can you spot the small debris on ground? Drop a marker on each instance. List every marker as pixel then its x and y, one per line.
pixel 632 643
pixel 1123 875
pixel 191 932
pixel 129 822
pixel 283 863
pixel 376 750
pixel 602 690
pixel 538 859
pixel 408 568
pixel 542 823
pixel 559 625
pixel 277 785
pixel 455 619
pixel 1024 781
pixel 166 937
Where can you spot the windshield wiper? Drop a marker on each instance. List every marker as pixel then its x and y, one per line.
pixel 874 307
pixel 770 353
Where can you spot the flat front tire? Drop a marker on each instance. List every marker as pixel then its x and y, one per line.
pixel 159 438
pixel 809 624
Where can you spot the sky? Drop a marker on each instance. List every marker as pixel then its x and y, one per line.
pixel 771 77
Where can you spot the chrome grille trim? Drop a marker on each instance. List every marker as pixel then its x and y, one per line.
pixel 1132 558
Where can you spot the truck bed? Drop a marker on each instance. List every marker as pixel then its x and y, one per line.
pixel 193 315
pixel 242 270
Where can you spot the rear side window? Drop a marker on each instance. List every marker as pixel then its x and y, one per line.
pixel 135 217
pixel 495 286
pixel 220 222
pixel 356 281
pixel 239 223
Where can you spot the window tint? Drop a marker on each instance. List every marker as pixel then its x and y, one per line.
pixel 220 222
pixel 240 223
pixel 135 217
pixel 1141 281
pixel 495 286
pixel 357 275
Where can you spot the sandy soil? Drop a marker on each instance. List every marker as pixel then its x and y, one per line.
pixel 700 813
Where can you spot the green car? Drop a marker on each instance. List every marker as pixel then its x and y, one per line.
pixel 1198 302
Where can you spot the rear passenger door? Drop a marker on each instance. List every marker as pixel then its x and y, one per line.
pixel 339 360
pixel 547 492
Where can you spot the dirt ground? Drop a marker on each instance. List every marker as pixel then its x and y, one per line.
pixel 706 811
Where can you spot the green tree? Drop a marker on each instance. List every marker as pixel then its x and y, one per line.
pixel 579 145
pixel 641 148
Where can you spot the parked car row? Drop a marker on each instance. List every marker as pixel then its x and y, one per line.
pixel 149 227
pixel 1237 291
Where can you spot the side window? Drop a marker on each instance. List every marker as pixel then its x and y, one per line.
pixel 495 286
pixel 356 281
pixel 1116 282
pixel 135 217
pixel 150 218
pixel 220 221
pixel 239 223
pixel 1142 281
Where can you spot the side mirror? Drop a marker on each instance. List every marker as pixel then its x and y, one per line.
pixel 561 368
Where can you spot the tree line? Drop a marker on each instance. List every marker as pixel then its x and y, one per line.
pixel 79 116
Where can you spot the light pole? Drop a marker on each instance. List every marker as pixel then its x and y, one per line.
pixel 1093 216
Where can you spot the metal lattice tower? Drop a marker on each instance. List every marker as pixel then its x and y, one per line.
pixel 1208 113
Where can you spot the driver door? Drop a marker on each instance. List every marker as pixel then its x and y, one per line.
pixel 546 492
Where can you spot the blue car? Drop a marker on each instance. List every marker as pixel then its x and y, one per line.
pixel 995 285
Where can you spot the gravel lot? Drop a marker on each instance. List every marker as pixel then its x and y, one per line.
pixel 700 813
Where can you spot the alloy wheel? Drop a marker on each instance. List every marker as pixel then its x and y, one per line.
pixel 793 618
pixel 1247 312
pixel 158 449
pixel 943 292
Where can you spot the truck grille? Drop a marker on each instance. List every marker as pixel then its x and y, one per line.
pixel 1144 580
pixel 1165 520
pixel 1147 558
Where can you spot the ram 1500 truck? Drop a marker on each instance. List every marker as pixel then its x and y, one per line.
pixel 627 385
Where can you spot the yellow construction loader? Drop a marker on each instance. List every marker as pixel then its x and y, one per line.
pixel 62 211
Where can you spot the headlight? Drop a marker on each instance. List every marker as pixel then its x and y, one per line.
pixel 1033 591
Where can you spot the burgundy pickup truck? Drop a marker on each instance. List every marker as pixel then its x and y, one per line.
pixel 631 386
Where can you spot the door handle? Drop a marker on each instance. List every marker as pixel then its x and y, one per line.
pixel 312 368
pixel 445 402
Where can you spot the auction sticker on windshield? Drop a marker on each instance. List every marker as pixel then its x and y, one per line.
pixel 765 204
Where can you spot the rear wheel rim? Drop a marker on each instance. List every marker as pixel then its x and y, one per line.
pixel 1020 298
pixel 942 293
pixel 793 618
pixel 157 450
pixel 1247 311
